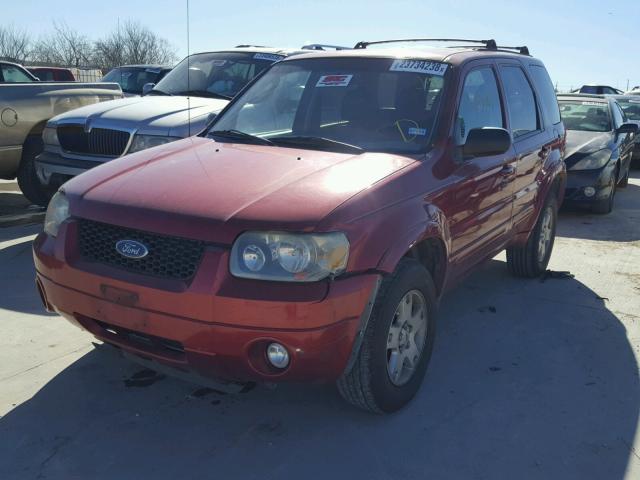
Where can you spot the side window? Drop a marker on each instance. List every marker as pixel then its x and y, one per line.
pixel 608 91
pixel 521 101
pixel 480 104
pixel 548 99
pixel 618 119
pixel 625 119
pixel 12 74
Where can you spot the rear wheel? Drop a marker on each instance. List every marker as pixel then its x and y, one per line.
pixel 531 259
pixel 28 180
pixel 397 344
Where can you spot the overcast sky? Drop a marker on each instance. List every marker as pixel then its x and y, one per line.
pixel 581 41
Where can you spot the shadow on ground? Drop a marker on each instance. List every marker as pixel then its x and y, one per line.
pixel 529 379
pixel 17 278
pixel 621 225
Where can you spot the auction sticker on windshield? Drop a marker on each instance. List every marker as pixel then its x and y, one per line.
pixel 334 80
pixel 418 66
pixel 268 56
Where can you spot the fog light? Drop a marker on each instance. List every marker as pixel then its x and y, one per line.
pixel 277 355
pixel 589 191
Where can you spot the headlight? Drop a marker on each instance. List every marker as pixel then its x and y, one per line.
pixel 596 160
pixel 287 257
pixel 50 136
pixel 142 142
pixel 57 212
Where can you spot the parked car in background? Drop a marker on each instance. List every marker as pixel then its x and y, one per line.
pixel 25 106
pixel 86 75
pixel 132 78
pixel 14 73
pixel 309 232
pixel 600 142
pixel 630 105
pixel 180 105
pixel 634 91
pixel 52 74
pixel 598 90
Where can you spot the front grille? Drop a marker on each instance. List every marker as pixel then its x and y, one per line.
pixel 168 257
pixel 99 141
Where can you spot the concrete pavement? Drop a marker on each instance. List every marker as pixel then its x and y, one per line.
pixel 529 379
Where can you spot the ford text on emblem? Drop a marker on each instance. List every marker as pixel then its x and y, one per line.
pixel 131 249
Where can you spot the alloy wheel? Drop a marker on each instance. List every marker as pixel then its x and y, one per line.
pixel 406 337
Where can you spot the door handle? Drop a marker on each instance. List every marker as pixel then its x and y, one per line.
pixel 508 170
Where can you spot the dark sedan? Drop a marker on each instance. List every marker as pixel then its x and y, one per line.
pixel 600 141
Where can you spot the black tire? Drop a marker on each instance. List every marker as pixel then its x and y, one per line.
pixel 605 206
pixel 625 181
pixel 28 180
pixel 525 261
pixel 368 385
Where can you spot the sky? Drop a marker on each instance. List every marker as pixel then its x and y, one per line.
pixel 580 41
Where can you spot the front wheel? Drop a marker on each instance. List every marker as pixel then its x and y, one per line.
pixel 397 343
pixel 28 180
pixel 531 259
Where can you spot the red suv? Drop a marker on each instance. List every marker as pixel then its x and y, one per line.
pixel 309 232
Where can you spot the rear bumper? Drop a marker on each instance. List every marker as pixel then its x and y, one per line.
pixel 209 329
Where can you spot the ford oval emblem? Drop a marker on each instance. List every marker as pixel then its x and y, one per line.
pixel 131 249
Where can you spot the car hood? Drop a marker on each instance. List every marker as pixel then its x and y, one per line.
pixel 586 142
pixel 202 189
pixel 152 114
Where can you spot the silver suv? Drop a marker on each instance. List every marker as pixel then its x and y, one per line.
pixel 180 105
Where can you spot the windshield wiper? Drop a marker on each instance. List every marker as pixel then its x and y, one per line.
pixel 238 135
pixel 159 92
pixel 205 93
pixel 317 143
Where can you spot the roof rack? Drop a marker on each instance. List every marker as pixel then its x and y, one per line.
pixel 488 44
pixel 321 46
pixel 524 50
pixel 251 46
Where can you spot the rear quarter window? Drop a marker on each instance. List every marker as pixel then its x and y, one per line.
pixel 546 93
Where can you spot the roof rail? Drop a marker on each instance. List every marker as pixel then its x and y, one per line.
pixel 489 44
pixel 251 46
pixel 321 46
pixel 524 50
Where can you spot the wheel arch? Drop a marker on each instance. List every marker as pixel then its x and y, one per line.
pixel 428 242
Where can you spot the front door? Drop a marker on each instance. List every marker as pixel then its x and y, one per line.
pixel 481 201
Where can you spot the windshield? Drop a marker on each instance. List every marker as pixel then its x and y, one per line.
pixel 631 108
pixel 384 105
pixel 586 116
pixel 215 74
pixel 132 79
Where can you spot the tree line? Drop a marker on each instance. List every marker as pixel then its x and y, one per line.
pixel 129 43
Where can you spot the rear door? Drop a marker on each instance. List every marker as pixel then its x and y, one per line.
pixel 481 219
pixel 533 142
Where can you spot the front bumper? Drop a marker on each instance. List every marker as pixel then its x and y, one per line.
pixel 218 326
pixel 51 166
pixel 578 180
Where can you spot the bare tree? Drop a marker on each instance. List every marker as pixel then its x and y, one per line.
pixel 133 43
pixel 64 46
pixel 14 44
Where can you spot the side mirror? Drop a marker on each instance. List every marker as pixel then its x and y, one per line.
pixel 484 142
pixel 628 128
pixel 147 87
